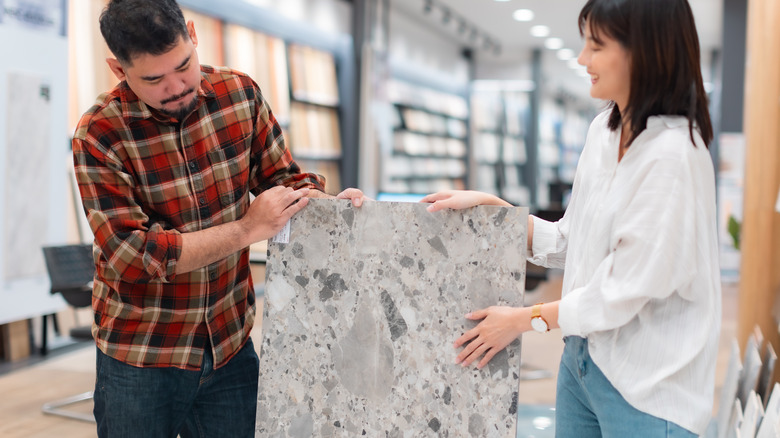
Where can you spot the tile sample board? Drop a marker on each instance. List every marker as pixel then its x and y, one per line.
pixel 362 306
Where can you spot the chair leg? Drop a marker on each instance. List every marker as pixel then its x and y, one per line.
pixel 44 331
pixel 55 407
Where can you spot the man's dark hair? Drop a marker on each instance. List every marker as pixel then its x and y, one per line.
pixel 666 76
pixel 136 27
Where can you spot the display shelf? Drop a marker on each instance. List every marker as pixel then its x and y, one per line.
pixel 264 58
pixel 313 76
pixel 563 126
pixel 451 115
pixel 314 132
pixel 499 144
pixel 429 149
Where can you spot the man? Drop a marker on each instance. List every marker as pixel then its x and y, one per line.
pixel 165 163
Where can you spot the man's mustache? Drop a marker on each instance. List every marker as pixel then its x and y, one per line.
pixel 177 97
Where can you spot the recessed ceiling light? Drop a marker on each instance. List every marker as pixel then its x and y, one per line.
pixel 565 54
pixel 553 43
pixel 523 15
pixel 540 31
pixel 501 1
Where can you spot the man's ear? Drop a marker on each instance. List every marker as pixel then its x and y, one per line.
pixel 117 68
pixel 191 31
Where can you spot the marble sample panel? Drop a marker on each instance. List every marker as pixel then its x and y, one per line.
pixel 362 306
pixel 26 166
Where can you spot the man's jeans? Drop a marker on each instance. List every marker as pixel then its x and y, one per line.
pixel 164 402
pixel 587 405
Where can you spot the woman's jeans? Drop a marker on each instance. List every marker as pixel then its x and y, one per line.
pixel 587 405
pixel 164 402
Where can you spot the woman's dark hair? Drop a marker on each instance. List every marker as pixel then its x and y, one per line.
pixel 135 27
pixel 661 38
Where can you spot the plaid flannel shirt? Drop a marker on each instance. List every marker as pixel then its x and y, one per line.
pixel 144 178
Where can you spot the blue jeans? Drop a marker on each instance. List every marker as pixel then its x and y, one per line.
pixel 587 405
pixel 166 402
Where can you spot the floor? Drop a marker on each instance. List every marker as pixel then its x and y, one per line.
pixel 25 389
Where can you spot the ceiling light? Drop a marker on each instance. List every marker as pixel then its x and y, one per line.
pixel 553 43
pixel 572 63
pixel 501 1
pixel 540 31
pixel 565 54
pixel 523 15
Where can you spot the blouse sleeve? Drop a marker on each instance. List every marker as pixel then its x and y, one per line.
pixel 549 244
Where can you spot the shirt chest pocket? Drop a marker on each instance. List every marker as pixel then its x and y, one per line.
pixel 230 167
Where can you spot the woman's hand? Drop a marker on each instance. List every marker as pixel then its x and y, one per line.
pixel 499 327
pixel 460 199
pixel 355 195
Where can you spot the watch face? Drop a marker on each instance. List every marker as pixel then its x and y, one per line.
pixel 539 325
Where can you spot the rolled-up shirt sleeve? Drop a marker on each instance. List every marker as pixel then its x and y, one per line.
pixel 133 248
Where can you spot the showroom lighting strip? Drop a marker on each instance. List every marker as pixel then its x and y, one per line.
pixel 475 36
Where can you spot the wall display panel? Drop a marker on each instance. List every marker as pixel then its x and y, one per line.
pixel 315 132
pixel 362 306
pixel 263 58
pixel 313 75
pixel 28 137
pixel 210 38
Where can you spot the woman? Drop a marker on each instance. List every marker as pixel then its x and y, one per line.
pixel 640 308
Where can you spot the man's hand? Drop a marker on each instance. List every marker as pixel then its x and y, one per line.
pixel 271 210
pixel 355 195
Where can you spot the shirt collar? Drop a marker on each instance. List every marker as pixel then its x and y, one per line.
pixel 666 121
pixel 134 109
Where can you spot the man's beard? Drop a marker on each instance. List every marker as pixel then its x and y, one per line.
pixel 183 111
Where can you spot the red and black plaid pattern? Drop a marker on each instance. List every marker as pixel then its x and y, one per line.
pixel 145 178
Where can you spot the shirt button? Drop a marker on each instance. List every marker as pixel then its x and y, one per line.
pixel 193 166
pixel 202 201
pixel 213 276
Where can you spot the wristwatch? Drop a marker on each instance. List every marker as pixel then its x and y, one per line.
pixel 537 322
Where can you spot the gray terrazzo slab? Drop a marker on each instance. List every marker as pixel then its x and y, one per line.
pixel 361 308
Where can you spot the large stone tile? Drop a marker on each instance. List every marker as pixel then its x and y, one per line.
pixel 361 309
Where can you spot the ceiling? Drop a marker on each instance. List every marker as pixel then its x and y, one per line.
pixel 494 19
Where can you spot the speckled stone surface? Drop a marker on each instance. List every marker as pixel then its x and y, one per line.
pixel 361 308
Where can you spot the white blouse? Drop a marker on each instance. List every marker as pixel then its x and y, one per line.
pixel 641 280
